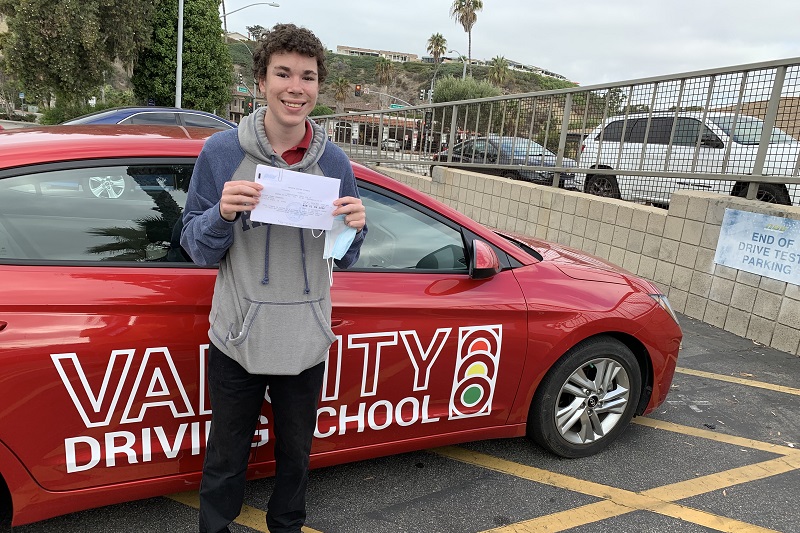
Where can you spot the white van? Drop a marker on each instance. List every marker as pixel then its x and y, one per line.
pixel 660 142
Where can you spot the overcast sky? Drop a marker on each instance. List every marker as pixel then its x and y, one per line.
pixel 588 41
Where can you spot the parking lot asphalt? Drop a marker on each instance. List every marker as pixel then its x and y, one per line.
pixel 721 454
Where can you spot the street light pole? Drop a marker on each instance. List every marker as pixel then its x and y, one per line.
pixel 464 70
pixel 179 69
pixel 225 15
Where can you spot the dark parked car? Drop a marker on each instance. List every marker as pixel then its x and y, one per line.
pixel 511 151
pixel 160 116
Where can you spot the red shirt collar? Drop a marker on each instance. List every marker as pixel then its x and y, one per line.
pixel 295 153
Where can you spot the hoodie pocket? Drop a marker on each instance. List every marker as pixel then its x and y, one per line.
pixel 296 329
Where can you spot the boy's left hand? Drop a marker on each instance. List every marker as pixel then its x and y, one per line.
pixel 353 210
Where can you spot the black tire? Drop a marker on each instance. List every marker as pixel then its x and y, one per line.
pixel 774 193
pixel 602 185
pixel 112 187
pixel 575 411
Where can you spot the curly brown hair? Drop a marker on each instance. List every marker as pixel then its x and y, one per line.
pixel 288 38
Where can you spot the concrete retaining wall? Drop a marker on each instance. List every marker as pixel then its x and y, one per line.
pixel 673 248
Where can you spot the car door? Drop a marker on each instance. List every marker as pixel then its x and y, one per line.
pixel 103 325
pixel 422 349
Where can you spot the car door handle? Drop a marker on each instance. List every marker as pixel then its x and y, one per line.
pixel 3 325
pixel 336 322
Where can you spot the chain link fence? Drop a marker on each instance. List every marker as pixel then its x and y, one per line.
pixel 731 130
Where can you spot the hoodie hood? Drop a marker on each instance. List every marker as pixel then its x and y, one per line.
pixel 253 140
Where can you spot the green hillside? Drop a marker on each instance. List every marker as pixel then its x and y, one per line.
pixel 410 77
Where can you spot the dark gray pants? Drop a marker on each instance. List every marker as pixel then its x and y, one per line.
pixel 236 399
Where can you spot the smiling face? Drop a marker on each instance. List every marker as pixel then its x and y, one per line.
pixel 291 86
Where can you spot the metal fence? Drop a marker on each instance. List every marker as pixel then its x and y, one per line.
pixel 730 130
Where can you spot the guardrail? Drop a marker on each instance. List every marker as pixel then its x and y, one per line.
pixel 730 130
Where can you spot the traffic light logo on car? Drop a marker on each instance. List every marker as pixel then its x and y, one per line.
pixel 476 371
pixel 359 92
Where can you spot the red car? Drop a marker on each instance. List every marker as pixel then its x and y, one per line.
pixel 447 331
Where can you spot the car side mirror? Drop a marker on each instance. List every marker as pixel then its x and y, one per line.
pixel 484 263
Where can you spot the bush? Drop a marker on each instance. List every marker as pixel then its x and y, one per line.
pixel 113 98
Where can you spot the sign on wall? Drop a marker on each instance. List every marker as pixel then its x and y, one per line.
pixel 761 244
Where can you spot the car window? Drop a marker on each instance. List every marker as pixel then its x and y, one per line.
pixel 636 131
pixel 203 121
pixel 747 130
pixel 612 132
pixel 687 131
pixel 104 213
pixel 482 150
pixel 164 119
pixel 660 130
pixel 402 237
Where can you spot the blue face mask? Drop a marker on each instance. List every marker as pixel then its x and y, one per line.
pixel 337 241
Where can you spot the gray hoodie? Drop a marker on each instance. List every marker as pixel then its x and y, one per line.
pixel 271 309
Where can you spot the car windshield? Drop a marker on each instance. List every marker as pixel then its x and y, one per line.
pixel 748 130
pixel 520 147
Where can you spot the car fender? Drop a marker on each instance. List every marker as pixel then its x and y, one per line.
pixel 23 488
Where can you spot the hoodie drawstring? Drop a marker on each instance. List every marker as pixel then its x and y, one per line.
pixel 303 253
pixel 265 281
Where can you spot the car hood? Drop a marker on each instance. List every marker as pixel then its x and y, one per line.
pixel 574 263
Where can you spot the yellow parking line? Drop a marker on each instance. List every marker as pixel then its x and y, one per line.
pixel 740 381
pixel 249 517
pixel 619 501
pixel 718 437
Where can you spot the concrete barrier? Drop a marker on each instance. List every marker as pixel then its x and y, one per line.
pixel 674 248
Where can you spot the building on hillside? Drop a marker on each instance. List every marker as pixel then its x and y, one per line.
pixel 515 65
pixel 456 59
pixel 236 36
pixel 399 57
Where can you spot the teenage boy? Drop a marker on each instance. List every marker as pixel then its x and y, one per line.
pixel 271 312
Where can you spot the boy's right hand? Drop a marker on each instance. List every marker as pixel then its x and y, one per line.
pixel 238 196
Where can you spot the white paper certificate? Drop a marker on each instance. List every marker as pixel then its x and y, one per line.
pixel 292 198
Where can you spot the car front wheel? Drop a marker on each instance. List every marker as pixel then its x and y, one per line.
pixel 586 399
pixel 601 185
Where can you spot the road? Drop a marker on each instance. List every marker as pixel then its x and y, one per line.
pixel 722 454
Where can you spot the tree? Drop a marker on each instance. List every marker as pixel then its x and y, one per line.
pixel 207 68
pixel 341 88
pixel 385 72
pixel 63 48
pixel 465 12
pixel 498 71
pixel 254 32
pixel 437 46
pixel 452 89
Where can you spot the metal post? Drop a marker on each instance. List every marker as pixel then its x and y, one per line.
pixel 224 20
pixel 464 69
pixel 179 68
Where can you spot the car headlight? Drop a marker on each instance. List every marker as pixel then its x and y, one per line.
pixel 663 301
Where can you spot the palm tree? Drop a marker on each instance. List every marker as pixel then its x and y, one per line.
pixel 341 87
pixel 384 70
pixel 465 12
pixel 437 46
pixel 498 71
